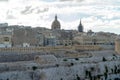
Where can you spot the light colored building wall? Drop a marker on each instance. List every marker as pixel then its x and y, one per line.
pixel 91 40
pixel 5 41
pixel 64 42
pixel 117 46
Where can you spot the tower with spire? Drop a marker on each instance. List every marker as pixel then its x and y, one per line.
pixel 80 27
pixel 55 24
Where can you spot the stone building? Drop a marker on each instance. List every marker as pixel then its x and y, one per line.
pixel 55 24
pixel 5 40
pixel 50 40
pixel 95 39
pixel 64 42
pixel 24 36
pixel 40 39
pixel 105 40
pixel 3 25
pixel 5 35
pixel 63 37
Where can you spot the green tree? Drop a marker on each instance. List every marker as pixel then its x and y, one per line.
pixel 34 67
pixel 104 59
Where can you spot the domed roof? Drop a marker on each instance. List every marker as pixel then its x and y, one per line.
pixel 55 24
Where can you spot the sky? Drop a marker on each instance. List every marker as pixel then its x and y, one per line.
pixel 96 15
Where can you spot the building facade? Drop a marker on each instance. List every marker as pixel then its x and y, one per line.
pixel 5 40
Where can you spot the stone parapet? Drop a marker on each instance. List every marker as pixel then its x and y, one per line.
pixel 38 49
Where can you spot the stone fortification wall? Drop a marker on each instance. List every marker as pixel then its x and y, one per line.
pixel 65 69
pixel 83 70
pixel 12 67
pixel 13 57
pixel 16 75
pixel 91 71
pixel 38 49
pixel 88 47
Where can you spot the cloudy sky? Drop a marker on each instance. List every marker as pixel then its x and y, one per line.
pixel 97 15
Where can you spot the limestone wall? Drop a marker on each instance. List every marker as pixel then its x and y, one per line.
pixel 38 49
pixel 117 46
pixel 14 57
pixel 82 71
pixel 75 71
pixel 16 75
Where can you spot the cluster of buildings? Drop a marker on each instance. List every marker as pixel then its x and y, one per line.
pixel 26 36
pixel 28 53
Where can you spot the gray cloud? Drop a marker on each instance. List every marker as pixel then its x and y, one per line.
pixel 10 17
pixel 26 10
pixel 66 0
pixel 4 0
pixel 40 13
pixel 72 0
pixel 29 10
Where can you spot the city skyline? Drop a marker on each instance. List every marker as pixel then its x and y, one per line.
pixel 95 15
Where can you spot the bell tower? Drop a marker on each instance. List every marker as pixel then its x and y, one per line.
pixel 80 27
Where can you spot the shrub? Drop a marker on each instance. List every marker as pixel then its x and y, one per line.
pixel 57 65
pixel 64 59
pixel 106 69
pixel 115 69
pixel 105 75
pixel 89 74
pixel 86 73
pixel 92 68
pixel 78 78
pixel 104 59
pixel 34 67
pixel 118 71
pixel 114 55
pixel 72 64
pixel 98 76
pixel 76 58
pixel 117 79
pixel 112 70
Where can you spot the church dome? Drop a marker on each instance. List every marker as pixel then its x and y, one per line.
pixel 55 24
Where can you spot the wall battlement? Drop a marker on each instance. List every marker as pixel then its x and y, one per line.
pixel 38 49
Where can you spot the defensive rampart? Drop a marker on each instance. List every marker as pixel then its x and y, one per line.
pixel 38 49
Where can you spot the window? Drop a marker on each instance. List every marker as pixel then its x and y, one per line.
pixel 6 39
